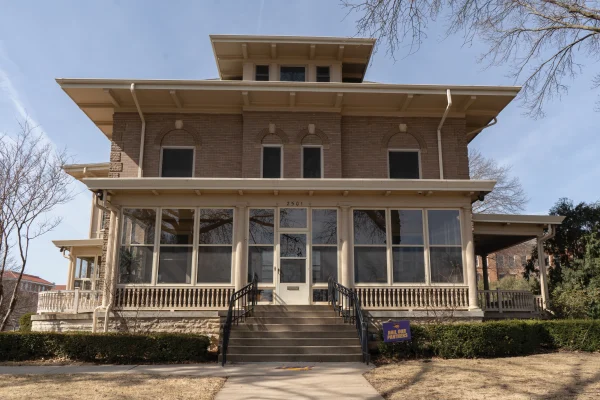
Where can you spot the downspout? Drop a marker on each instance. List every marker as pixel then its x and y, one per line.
pixel 142 134
pixel 439 133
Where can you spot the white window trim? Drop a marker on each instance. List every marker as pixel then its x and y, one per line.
pixel 418 151
pixel 160 168
pixel 262 157
pixel 313 146
pixel 295 65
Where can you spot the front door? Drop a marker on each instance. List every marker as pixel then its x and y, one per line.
pixel 292 267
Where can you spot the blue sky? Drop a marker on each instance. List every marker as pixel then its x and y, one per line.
pixel 41 40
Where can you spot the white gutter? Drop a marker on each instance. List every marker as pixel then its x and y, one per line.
pixel 439 133
pixel 143 132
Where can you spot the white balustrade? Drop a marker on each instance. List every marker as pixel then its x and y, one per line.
pixel 412 298
pixel 509 301
pixel 69 301
pixel 172 298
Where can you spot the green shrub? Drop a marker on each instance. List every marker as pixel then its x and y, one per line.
pixel 25 322
pixel 116 348
pixel 496 339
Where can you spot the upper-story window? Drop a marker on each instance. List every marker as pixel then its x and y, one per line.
pixel 323 74
pixel 272 167
pixel 177 162
pixel 262 72
pixel 404 164
pixel 312 162
pixel 292 74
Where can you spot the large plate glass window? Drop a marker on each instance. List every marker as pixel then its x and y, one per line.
pixel 85 273
pixel 215 245
pixel 408 246
pixel 261 244
pixel 324 249
pixel 176 245
pixel 311 162
pixel 177 162
pixel 404 164
pixel 137 245
pixel 271 162
pixel 370 247
pixel 445 246
pixel 292 74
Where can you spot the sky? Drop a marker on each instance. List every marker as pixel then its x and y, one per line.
pixel 41 40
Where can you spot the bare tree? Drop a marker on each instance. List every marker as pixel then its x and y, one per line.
pixel 508 196
pixel 539 39
pixel 32 183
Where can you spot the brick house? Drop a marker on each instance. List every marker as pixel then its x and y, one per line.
pixel 30 286
pixel 290 167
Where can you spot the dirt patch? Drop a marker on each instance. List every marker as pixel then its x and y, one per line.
pixel 548 376
pixel 108 386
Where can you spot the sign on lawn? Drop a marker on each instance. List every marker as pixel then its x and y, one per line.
pixel 396 331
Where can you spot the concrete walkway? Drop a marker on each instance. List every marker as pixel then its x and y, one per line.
pixel 247 381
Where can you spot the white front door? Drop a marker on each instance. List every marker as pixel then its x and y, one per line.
pixel 292 266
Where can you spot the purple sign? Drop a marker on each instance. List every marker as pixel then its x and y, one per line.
pixel 396 331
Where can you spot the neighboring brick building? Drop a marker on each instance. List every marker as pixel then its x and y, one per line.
pixel 290 167
pixel 27 295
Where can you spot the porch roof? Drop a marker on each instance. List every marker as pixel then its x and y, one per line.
pixel 495 232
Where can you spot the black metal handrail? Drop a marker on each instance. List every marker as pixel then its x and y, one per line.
pixel 241 306
pixel 346 303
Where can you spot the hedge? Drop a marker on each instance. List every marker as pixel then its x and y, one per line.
pixel 25 322
pixel 114 348
pixel 496 339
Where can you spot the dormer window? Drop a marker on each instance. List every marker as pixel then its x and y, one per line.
pixel 323 74
pixel 262 72
pixel 292 74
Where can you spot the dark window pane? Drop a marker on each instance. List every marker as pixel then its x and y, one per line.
pixel 409 264
pixel 324 226
pixel 177 163
pixel 292 218
pixel 370 265
pixel 292 245
pixel 177 226
pixel 369 227
pixel 444 227
pixel 311 162
pixel 135 264
pixel 324 263
pixel 407 227
pixel 175 265
pixel 323 74
pixel 138 226
pixel 262 72
pixel 265 295
pixel 216 226
pixel 262 225
pixel 404 164
pixel 271 162
pixel 260 262
pixel 446 265
pixel 292 74
pixel 293 271
pixel 320 295
pixel 214 264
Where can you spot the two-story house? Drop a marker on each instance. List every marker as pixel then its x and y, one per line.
pixel 289 167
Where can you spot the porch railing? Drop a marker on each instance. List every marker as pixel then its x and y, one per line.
pixel 413 298
pixel 69 301
pixel 502 301
pixel 172 298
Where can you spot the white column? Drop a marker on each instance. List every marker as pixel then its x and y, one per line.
pixel 108 267
pixel 240 267
pixel 543 274
pixel 345 232
pixel 470 258
pixel 72 264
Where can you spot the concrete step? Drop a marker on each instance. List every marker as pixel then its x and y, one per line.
pixel 272 307
pixel 294 349
pixel 296 314
pixel 300 341
pixel 294 328
pixel 331 320
pixel 290 334
pixel 232 357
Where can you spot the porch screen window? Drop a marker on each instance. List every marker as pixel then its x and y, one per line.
pixel 324 245
pixel 85 273
pixel 177 162
pixel 311 162
pixel 292 257
pixel 323 74
pixel 215 246
pixel 408 249
pixel 262 72
pixel 137 245
pixel 176 245
pixel 271 162
pixel 445 246
pixel 292 74
pixel 370 248
pixel 261 244
pixel 404 164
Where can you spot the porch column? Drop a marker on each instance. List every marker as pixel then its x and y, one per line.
pixel 108 259
pixel 543 274
pixel 345 232
pixel 240 267
pixel 484 269
pixel 72 265
pixel 470 258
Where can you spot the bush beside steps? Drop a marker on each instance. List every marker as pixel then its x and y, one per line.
pixel 113 348
pixel 496 339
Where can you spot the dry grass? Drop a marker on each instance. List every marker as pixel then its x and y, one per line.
pixel 108 386
pixel 545 376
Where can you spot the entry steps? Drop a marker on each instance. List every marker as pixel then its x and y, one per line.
pixel 282 333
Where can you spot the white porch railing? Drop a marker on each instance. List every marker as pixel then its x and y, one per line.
pixel 411 298
pixel 161 298
pixel 69 301
pixel 509 301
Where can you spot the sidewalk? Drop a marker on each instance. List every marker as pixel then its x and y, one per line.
pixel 246 381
